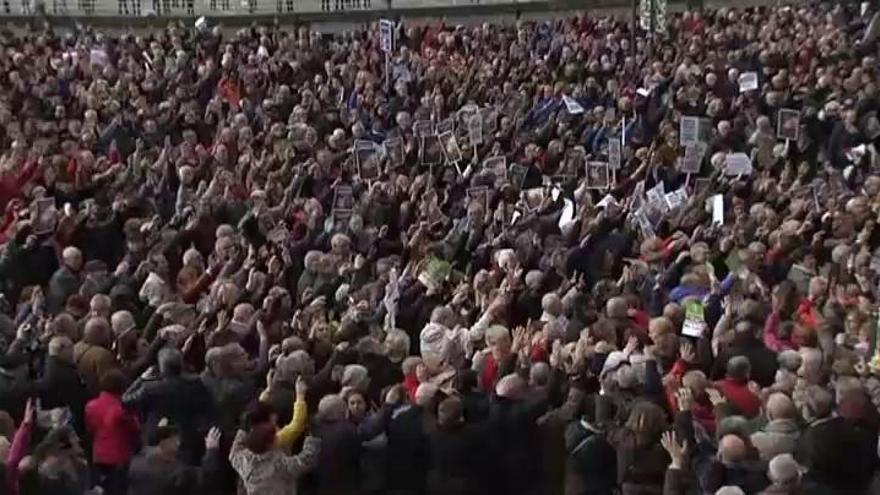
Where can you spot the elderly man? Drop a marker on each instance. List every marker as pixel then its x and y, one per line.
pixel 61 385
pixel 171 394
pixel 781 433
pixel 65 281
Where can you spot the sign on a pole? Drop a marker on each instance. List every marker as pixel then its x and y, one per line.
pixel 386 35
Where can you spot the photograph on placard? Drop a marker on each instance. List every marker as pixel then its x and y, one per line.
pixel 516 175
pixel 367 160
pixel 574 162
pixel 497 165
pixel 533 198
pixel 692 161
pixel 475 130
pixel 449 145
pixel 43 215
pixel 343 198
pixel 445 125
pixel 615 155
pixel 423 128
pixel 788 124
pixel 481 194
pixel 431 150
pixel 394 152
pixel 490 119
pixel 688 130
pixel 598 175
pixel 464 115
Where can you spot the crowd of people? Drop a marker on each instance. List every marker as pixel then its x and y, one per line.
pixel 541 258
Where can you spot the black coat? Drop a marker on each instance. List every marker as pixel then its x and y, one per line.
pixel 184 400
pixel 592 461
pixel 820 449
pixel 515 445
pixel 338 470
pixel 407 451
pixel 61 386
pixel 455 460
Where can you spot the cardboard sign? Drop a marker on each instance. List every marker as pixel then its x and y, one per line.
pixel 614 154
pixel 446 125
pixel 431 151
pixel 692 161
pixel 43 215
pixel 598 175
pixel 676 198
pixel 367 160
pixel 694 319
pixel 490 119
pixel 689 130
pixel 575 160
pixel 498 166
pixel 449 145
pixel 788 124
pixel 567 216
pixel 481 194
pixel 517 175
pixel 475 130
pixel 423 128
pixel 394 152
pixel 533 198
pixel 737 164
pixel 386 35
pixel 644 224
pixel 748 81
pixel 343 202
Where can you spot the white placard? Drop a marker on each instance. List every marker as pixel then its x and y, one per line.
pixel 614 153
pixel 689 130
pixel 598 175
pixel 748 81
pixel 386 35
pixel 717 205
pixel 737 164
pixel 676 198
pixel 693 157
pixel 572 105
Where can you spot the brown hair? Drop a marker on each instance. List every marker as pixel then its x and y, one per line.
pixel 646 422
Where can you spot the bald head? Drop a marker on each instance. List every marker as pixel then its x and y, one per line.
pixel 780 406
pixel 731 449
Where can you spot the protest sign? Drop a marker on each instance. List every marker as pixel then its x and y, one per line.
pixel 748 81
pixel 431 150
pixel 394 152
pixel 598 175
pixel 490 119
pixel 367 160
pixel 446 125
pixel 449 145
pixel 702 185
pixel 575 160
pixel 533 198
pixel 498 166
pixel 644 224
pixel 716 204
pixel 423 128
pixel 343 202
pixel 572 106
pixel 43 215
pixel 694 319
pixel 692 161
pixel 614 153
pixel 481 194
pixel 788 124
pixel 517 175
pixel 475 130
pixel 689 130
pixel 386 35
pixel 737 164
pixel 676 198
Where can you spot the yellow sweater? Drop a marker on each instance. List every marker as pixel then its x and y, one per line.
pixel 290 433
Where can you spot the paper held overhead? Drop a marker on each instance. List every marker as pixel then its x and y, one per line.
pixel 572 105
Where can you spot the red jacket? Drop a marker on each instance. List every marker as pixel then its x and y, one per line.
pixel 115 431
pixel 738 394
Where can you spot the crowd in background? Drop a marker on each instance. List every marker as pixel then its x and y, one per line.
pixel 541 258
